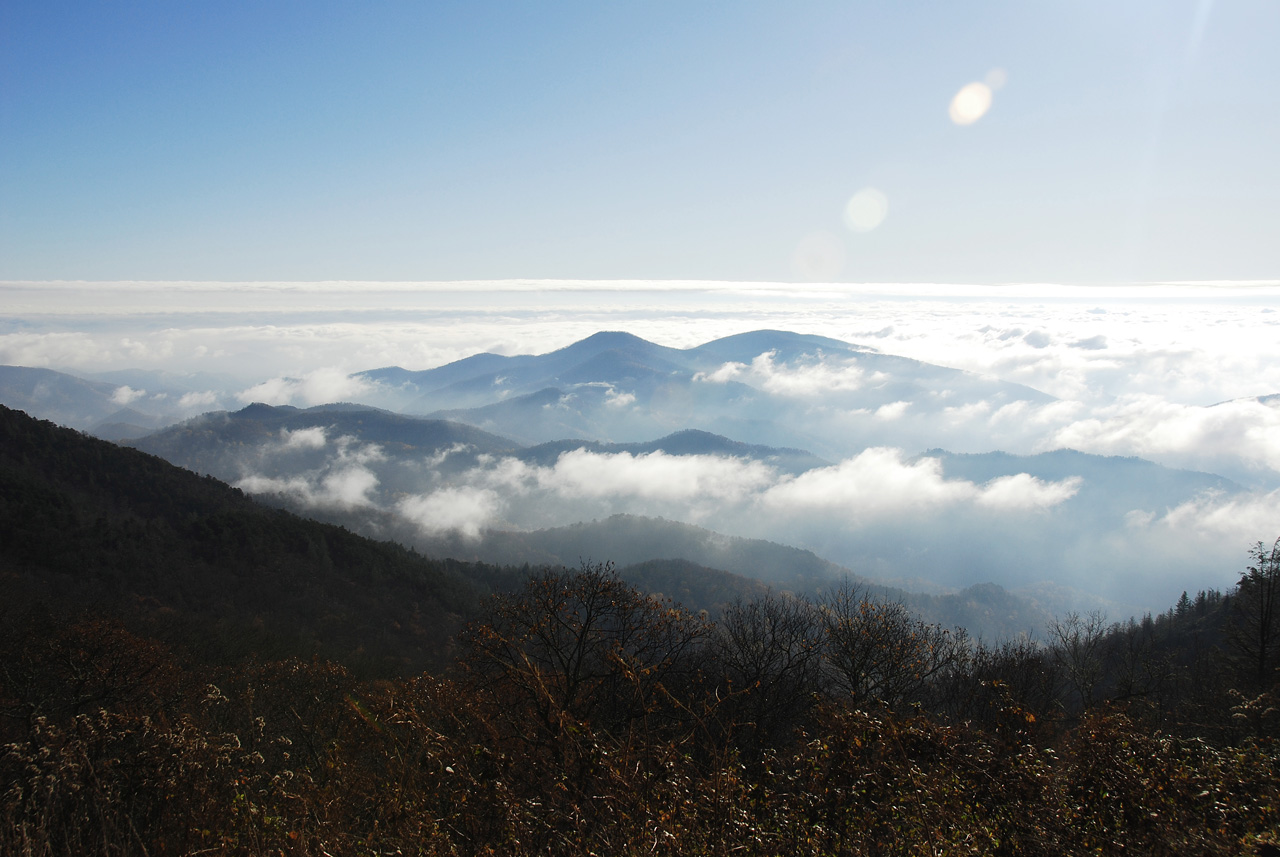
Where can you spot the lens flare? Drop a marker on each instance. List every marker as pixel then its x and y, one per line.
pixel 866 210
pixel 971 103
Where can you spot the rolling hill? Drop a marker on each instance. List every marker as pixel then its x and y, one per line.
pixel 756 387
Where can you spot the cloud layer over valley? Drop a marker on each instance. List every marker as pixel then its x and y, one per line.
pixel 1123 529
pixel 1182 375
pixel 880 512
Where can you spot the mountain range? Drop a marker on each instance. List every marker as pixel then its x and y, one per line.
pixel 872 461
pixel 87 525
pixel 112 405
pixel 614 386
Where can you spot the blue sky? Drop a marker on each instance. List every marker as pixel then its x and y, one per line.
pixel 1131 140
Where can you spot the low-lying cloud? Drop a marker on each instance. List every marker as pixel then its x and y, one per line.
pixel 465 510
pixel 319 387
pixel 879 512
pixel 125 395
pixel 736 495
pixel 305 438
pixel 344 477
pixel 1208 438
pixel 1135 370
pixel 344 488
pixel 196 401
pixel 879 483
pixel 1237 520
pixel 654 476
pixel 806 379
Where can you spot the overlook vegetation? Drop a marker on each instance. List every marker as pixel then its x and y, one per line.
pixel 185 671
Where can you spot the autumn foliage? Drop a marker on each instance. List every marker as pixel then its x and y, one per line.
pixel 586 717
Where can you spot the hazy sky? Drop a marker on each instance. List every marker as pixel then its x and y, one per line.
pixel 1096 141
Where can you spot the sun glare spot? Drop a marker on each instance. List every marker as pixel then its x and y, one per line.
pixel 996 79
pixel 971 103
pixel 866 210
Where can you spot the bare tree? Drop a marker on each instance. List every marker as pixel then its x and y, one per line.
pixel 1137 670
pixel 770 655
pixel 1077 646
pixel 1016 675
pixel 583 648
pixel 877 652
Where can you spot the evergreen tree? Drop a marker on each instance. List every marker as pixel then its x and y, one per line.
pixel 1254 635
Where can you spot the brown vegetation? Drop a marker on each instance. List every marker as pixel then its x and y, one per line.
pixel 586 717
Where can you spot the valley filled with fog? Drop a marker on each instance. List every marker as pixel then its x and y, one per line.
pixel 1092 447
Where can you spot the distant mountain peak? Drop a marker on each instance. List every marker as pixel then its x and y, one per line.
pixel 785 345
pixel 1270 399
pixel 768 339
pixel 609 339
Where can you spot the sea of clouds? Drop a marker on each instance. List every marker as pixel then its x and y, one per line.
pixel 1167 372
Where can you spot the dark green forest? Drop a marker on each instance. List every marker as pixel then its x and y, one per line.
pixel 184 671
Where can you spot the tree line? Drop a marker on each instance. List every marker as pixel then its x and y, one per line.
pixel 585 716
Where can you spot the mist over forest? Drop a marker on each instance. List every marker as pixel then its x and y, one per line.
pixel 910 474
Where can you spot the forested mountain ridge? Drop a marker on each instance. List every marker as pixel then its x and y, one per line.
pixel 85 523
pixel 218 442
pixel 230 443
pixel 110 405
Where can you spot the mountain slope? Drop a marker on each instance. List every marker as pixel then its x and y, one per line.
pixel 745 347
pixel 230 445
pixel 655 553
pixel 355 457
pixel 631 539
pixel 84 522
pixel 88 524
pixel 111 405
pixel 57 396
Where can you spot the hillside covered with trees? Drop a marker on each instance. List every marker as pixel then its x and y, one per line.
pixel 87 525
pixel 187 672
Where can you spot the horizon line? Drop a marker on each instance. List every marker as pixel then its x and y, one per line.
pixel 1017 289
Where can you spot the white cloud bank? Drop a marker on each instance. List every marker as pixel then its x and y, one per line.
pixel 734 493
pixel 319 387
pixel 654 476
pixel 879 483
pixel 804 380
pixel 880 512
pixel 344 488
pixel 344 479
pixel 464 510
pixel 124 395
pixel 1247 431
